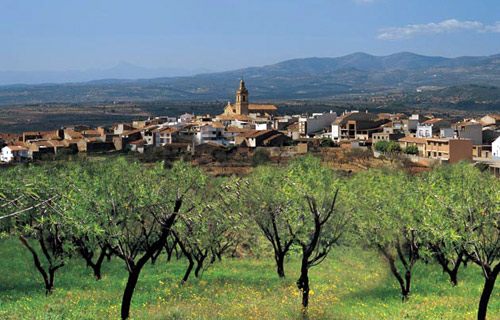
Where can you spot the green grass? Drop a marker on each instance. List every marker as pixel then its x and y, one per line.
pixel 351 284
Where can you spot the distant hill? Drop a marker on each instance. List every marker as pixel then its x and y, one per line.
pixel 308 78
pixel 478 93
pixel 123 70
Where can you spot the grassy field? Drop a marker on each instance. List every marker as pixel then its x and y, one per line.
pixel 351 284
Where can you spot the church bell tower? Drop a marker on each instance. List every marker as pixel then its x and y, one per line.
pixel 242 99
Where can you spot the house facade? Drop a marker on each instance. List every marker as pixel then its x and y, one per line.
pixel 495 149
pixel 14 154
pixel 315 123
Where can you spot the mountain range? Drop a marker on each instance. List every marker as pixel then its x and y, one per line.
pixel 122 70
pixel 308 78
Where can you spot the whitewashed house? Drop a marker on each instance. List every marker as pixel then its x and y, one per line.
pixel 213 132
pixel 495 149
pixel 164 135
pixel 308 125
pixel 14 153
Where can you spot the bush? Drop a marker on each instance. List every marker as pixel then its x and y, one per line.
pixel 325 142
pixel 260 157
pixel 381 146
pixel 387 147
pixel 393 147
pixel 411 150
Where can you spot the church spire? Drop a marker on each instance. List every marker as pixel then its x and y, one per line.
pixel 242 99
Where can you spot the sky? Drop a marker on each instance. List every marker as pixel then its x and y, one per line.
pixel 61 35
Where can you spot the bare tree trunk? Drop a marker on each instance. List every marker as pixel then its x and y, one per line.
pixel 188 256
pixel 135 269
pixel 405 287
pixel 48 279
pixel 156 255
pixel 96 267
pixel 444 262
pixel 199 264
pixel 280 261
pixel 303 283
pixel 133 277
pixel 489 285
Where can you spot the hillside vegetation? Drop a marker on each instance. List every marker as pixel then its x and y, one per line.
pixel 309 78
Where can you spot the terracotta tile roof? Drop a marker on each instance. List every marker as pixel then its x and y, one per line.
pixel 10 136
pixel 57 143
pixel 127 133
pixel 239 117
pixel 50 136
pixel 94 139
pixel 432 121
pixel 92 132
pixel 413 139
pixel 235 129
pixel 165 130
pixel 150 127
pixel 267 107
pixel 189 125
pixel 45 144
pixel 384 115
pixel 32 133
pixel 254 133
pixel 257 107
pixel 465 123
pixel 217 124
pixel 17 148
pixel 73 134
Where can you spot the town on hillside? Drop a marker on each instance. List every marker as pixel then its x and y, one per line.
pixel 425 140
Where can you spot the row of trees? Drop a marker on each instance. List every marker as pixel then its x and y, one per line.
pixel 135 212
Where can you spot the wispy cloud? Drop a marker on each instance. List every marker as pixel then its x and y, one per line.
pixel 446 26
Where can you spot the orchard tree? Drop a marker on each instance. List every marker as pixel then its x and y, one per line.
pixel 388 211
pixel 12 194
pixel 139 206
pixel 440 206
pixel 319 221
pixel 272 209
pixel 39 217
pixel 211 227
pixel 84 195
pixel 471 207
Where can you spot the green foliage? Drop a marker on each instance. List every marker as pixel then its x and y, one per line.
pixel 447 213
pixel 387 146
pixel 393 147
pixel 411 150
pixel 325 142
pixel 260 157
pixel 381 146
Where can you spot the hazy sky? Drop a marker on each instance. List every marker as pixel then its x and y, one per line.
pixel 227 34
